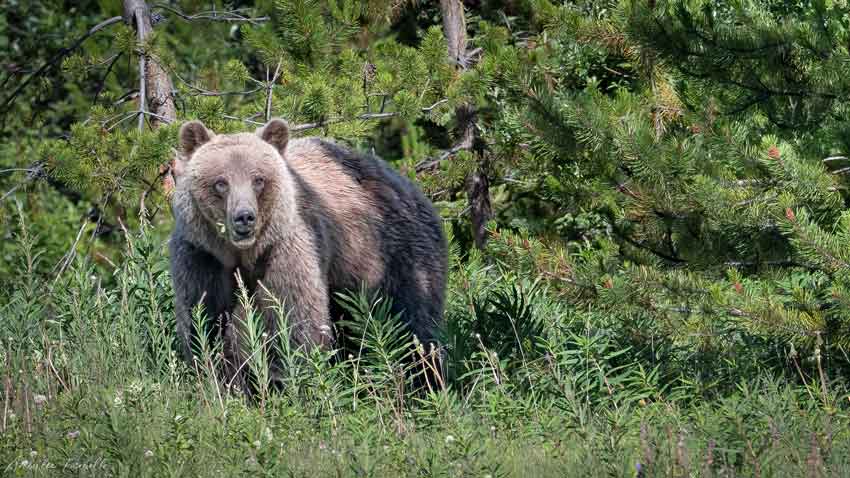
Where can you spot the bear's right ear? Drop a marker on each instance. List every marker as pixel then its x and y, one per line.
pixel 192 136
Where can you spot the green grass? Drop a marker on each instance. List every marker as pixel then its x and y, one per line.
pixel 536 387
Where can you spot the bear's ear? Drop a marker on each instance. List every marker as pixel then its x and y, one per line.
pixel 192 136
pixel 276 133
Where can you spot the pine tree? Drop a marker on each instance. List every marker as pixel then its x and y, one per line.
pixel 679 173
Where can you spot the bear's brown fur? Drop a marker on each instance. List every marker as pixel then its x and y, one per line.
pixel 305 218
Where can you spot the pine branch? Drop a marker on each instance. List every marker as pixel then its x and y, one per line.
pixel 55 60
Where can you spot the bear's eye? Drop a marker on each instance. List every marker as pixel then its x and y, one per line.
pixel 259 183
pixel 220 186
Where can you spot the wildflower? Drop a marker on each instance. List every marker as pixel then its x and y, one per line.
pixel 450 439
pixel 789 214
pixel 39 399
pixel 773 152
pixel 148 454
pixel 73 434
pixel 135 388
pixel 33 453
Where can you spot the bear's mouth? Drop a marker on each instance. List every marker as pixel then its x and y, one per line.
pixel 242 240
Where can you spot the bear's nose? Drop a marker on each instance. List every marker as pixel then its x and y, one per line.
pixel 244 220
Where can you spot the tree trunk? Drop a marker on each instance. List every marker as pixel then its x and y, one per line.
pixel 477 184
pixel 155 95
pixel 156 98
pixel 454 27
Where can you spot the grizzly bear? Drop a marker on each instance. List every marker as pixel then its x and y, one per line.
pixel 301 220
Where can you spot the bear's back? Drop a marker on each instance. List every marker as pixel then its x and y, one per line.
pixel 376 217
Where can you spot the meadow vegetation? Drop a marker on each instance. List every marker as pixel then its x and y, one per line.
pixel 646 204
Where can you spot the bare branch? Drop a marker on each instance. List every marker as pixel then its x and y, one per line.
pixel 213 15
pixel 102 84
pixel 326 122
pixel 33 172
pixel 205 92
pixel 431 163
pixel 14 170
pixel 365 116
pixel 438 103
pixel 12 191
pixel 244 120
pixel 56 58
pixel 270 87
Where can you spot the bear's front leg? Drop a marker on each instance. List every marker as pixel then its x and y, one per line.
pixel 294 279
pixel 197 277
pixel 292 284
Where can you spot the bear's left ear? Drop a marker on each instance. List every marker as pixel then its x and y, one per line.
pixel 192 136
pixel 276 133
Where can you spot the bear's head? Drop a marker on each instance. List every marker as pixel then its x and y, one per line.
pixel 237 182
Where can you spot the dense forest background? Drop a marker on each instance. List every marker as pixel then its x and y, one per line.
pixel 647 203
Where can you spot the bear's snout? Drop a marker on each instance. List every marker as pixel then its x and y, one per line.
pixel 244 221
pixel 243 224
